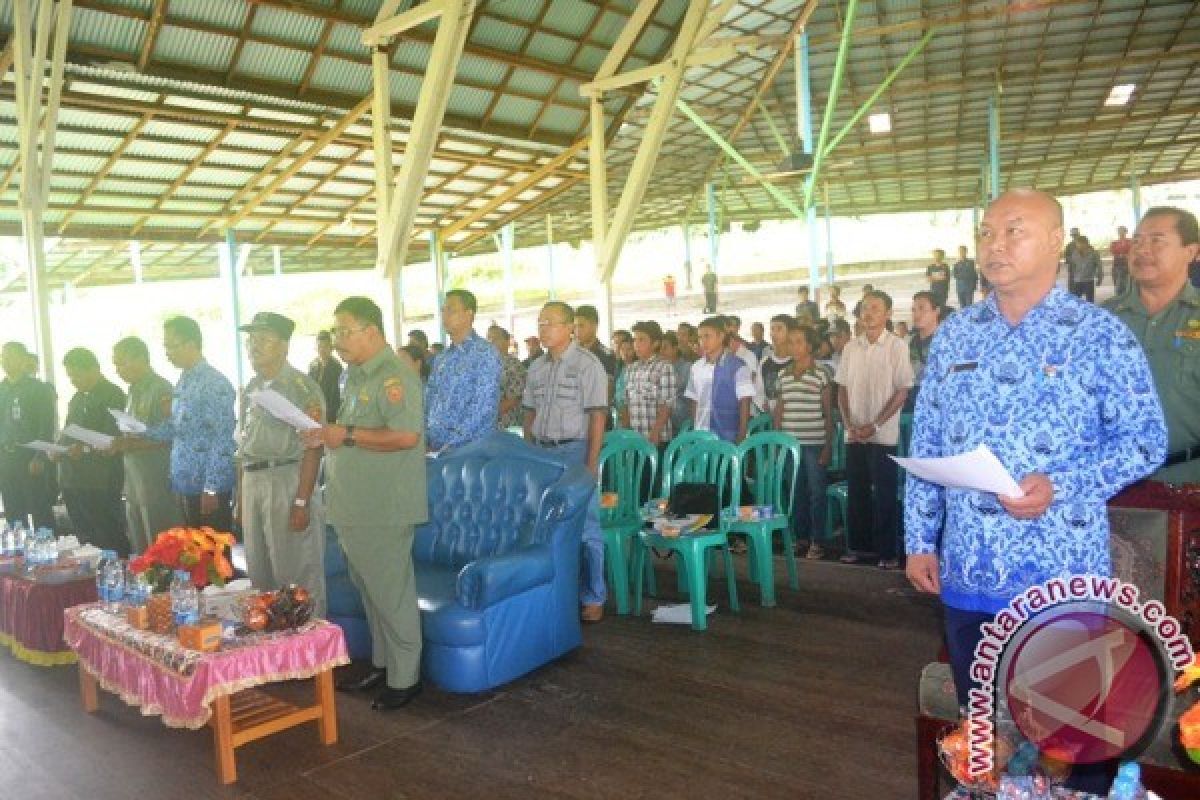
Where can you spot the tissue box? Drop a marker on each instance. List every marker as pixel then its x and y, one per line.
pixel 205 635
pixel 223 603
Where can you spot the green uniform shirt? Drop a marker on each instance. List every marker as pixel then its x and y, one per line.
pixel 149 401
pixel 262 437
pixel 366 487
pixel 1171 339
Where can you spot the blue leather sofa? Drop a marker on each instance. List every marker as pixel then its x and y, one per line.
pixel 497 565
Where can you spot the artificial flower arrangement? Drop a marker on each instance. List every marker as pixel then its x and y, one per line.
pixel 203 552
pixel 1189 721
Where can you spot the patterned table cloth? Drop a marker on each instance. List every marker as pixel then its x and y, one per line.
pixel 161 677
pixel 31 614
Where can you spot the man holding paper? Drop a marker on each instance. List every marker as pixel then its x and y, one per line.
pixel 1060 391
pixel 283 524
pixel 89 474
pixel 150 508
pixel 27 413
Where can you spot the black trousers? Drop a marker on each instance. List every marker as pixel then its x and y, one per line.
pixel 1084 289
pixel 24 494
pixel 710 302
pixel 98 516
pixel 963 633
pixel 871 499
pixel 220 520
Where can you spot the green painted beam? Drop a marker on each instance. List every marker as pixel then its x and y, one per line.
pixel 835 87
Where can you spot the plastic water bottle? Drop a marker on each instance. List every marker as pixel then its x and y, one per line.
pixel 47 549
pixel 185 600
pixel 1128 783
pixel 8 541
pixel 110 580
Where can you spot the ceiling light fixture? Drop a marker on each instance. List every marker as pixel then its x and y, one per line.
pixel 1120 94
pixel 880 123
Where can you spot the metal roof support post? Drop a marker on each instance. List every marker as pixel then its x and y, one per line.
pixel 409 188
pixel 805 129
pixel 839 69
pixel 687 254
pixel 396 285
pixel 883 87
pixel 714 240
pixel 381 138
pixel 994 146
pixel 1135 189
pixel 231 264
pixel 983 188
pixel 437 259
pixel 36 128
pixel 508 236
pixel 604 308
pixel 549 257
pixel 828 236
pixel 135 260
pixel 656 128
pixel 277 260
pixel 731 151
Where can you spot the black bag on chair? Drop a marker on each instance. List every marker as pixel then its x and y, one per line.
pixel 694 498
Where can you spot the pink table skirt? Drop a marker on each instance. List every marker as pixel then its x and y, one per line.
pixel 156 674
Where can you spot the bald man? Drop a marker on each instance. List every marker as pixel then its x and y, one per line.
pixel 1060 390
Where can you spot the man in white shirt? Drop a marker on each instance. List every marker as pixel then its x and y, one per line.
pixel 720 386
pixel 873 377
pixel 737 346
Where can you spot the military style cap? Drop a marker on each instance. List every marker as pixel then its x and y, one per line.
pixel 277 324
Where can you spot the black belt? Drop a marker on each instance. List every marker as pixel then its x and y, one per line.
pixel 255 466
pixel 554 442
pixel 1182 456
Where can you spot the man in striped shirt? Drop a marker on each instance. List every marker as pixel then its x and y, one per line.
pixel 803 407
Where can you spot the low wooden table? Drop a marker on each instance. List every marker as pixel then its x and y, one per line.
pixel 190 689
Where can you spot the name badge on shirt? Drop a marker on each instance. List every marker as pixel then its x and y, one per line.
pixel 965 366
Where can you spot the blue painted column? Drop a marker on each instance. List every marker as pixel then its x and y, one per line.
pixel 687 255
pixel 1135 188
pixel 437 259
pixel 710 194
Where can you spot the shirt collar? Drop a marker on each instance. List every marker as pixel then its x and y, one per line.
pixel 571 348
pixel 1132 299
pixel 1054 300
pixel 376 361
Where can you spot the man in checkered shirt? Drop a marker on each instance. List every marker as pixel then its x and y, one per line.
pixel 650 387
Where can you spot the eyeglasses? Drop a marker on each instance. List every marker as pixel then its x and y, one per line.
pixel 549 323
pixel 342 333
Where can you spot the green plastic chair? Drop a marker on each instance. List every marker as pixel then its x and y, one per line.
pixel 837 455
pixel 837 500
pixel 685 426
pixel 680 443
pixel 719 463
pixel 627 463
pixel 770 467
pixel 759 423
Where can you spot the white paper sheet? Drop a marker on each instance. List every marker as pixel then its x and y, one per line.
pixel 979 469
pixel 127 423
pixel 283 410
pixel 95 439
pixel 49 448
pixel 677 614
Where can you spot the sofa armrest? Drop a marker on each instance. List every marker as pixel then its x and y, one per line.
pixel 571 493
pixel 487 581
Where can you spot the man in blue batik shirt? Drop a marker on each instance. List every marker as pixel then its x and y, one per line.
pixel 200 429
pixel 1060 390
pixel 462 397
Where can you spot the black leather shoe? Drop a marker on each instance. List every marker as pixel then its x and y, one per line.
pixel 390 699
pixel 364 683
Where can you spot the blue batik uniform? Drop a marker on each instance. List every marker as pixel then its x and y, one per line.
pixel 462 397
pixel 200 431
pixel 1067 393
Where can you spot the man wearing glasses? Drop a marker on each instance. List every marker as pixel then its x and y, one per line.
pixel 566 406
pixel 282 525
pixel 200 429
pixel 375 495
pixel 462 397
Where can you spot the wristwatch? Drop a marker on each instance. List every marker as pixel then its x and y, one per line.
pixel 300 502
pixel 348 439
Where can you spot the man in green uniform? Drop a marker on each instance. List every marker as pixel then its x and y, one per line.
pixel 91 480
pixel 375 491
pixel 150 508
pixel 283 525
pixel 27 412
pixel 1163 310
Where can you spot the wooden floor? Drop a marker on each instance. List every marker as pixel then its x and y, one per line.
pixel 813 699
